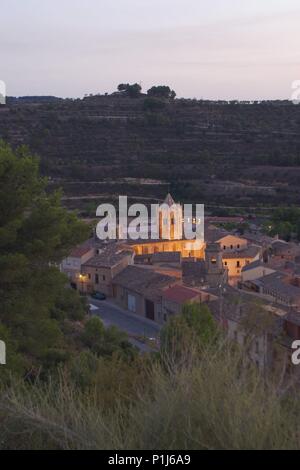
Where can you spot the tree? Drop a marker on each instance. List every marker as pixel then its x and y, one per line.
pixel 161 91
pixel 106 342
pixel 36 232
pixel 194 327
pixel 285 223
pixel 133 91
pixel 93 335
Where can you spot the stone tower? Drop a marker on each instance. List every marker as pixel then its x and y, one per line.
pixel 215 272
pixel 170 216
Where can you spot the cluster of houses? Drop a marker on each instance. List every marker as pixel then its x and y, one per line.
pixel 155 278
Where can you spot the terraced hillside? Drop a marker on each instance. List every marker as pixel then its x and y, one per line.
pixel 230 153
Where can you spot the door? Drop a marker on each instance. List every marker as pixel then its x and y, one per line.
pixel 149 309
pixel 131 305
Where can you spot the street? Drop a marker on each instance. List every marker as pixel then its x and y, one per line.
pixel 133 325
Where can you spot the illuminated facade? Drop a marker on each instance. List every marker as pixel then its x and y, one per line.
pixel 170 234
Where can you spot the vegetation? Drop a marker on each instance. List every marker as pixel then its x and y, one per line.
pixel 208 403
pixel 194 326
pixel 106 341
pixel 221 153
pixel 161 91
pixel 284 222
pixel 38 315
pixel 196 395
pixel 133 91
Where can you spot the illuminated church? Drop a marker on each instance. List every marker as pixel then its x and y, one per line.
pixel 170 234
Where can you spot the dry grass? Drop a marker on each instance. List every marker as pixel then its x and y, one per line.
pixel 211 402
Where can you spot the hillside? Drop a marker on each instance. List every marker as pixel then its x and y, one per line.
pixel 217 152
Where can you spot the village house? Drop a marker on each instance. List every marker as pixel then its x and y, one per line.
pixel 98 272
pixel 257 325
pixel 232 243
pixel 235 260
pixel 281 249
pixel 255 270
pixel 207 272
pixel 277 287
pixel 138 290
pixel 175 297
pixel 236 251
pixel 265 336
pixel 92 265
pixel 71 265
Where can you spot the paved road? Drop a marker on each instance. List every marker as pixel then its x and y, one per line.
pixel 111 314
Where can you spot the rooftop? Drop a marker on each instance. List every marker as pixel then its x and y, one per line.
pixel 259 238
pixel 169 200
pixel 278 282
pixel 253 265
pixel 143 281
pixel 250 252
pixel 166 257
pixel 82 249
pixel 282 247
pixel 108 258
pixel 180 294
pixel 213 234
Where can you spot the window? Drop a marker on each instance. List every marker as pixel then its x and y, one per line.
pixel 238 264
pixel 225 262
pixel 213 260
pixel 231 247
pixel 238 246
pixel 103 277
pixel 224 247
pixel 97 278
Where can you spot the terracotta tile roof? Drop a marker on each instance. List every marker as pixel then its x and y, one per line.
pixel 180 294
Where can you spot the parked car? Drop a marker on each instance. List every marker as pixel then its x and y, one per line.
pixel 98 296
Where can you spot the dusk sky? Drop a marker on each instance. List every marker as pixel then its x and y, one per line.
pixel 205 49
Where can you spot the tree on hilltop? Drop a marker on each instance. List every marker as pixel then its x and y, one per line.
pixel 161 91
pixel 133 91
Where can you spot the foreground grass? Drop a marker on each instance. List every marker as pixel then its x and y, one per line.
pixel 208 402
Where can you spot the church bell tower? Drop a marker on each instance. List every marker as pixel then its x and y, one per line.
pixel 215 272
